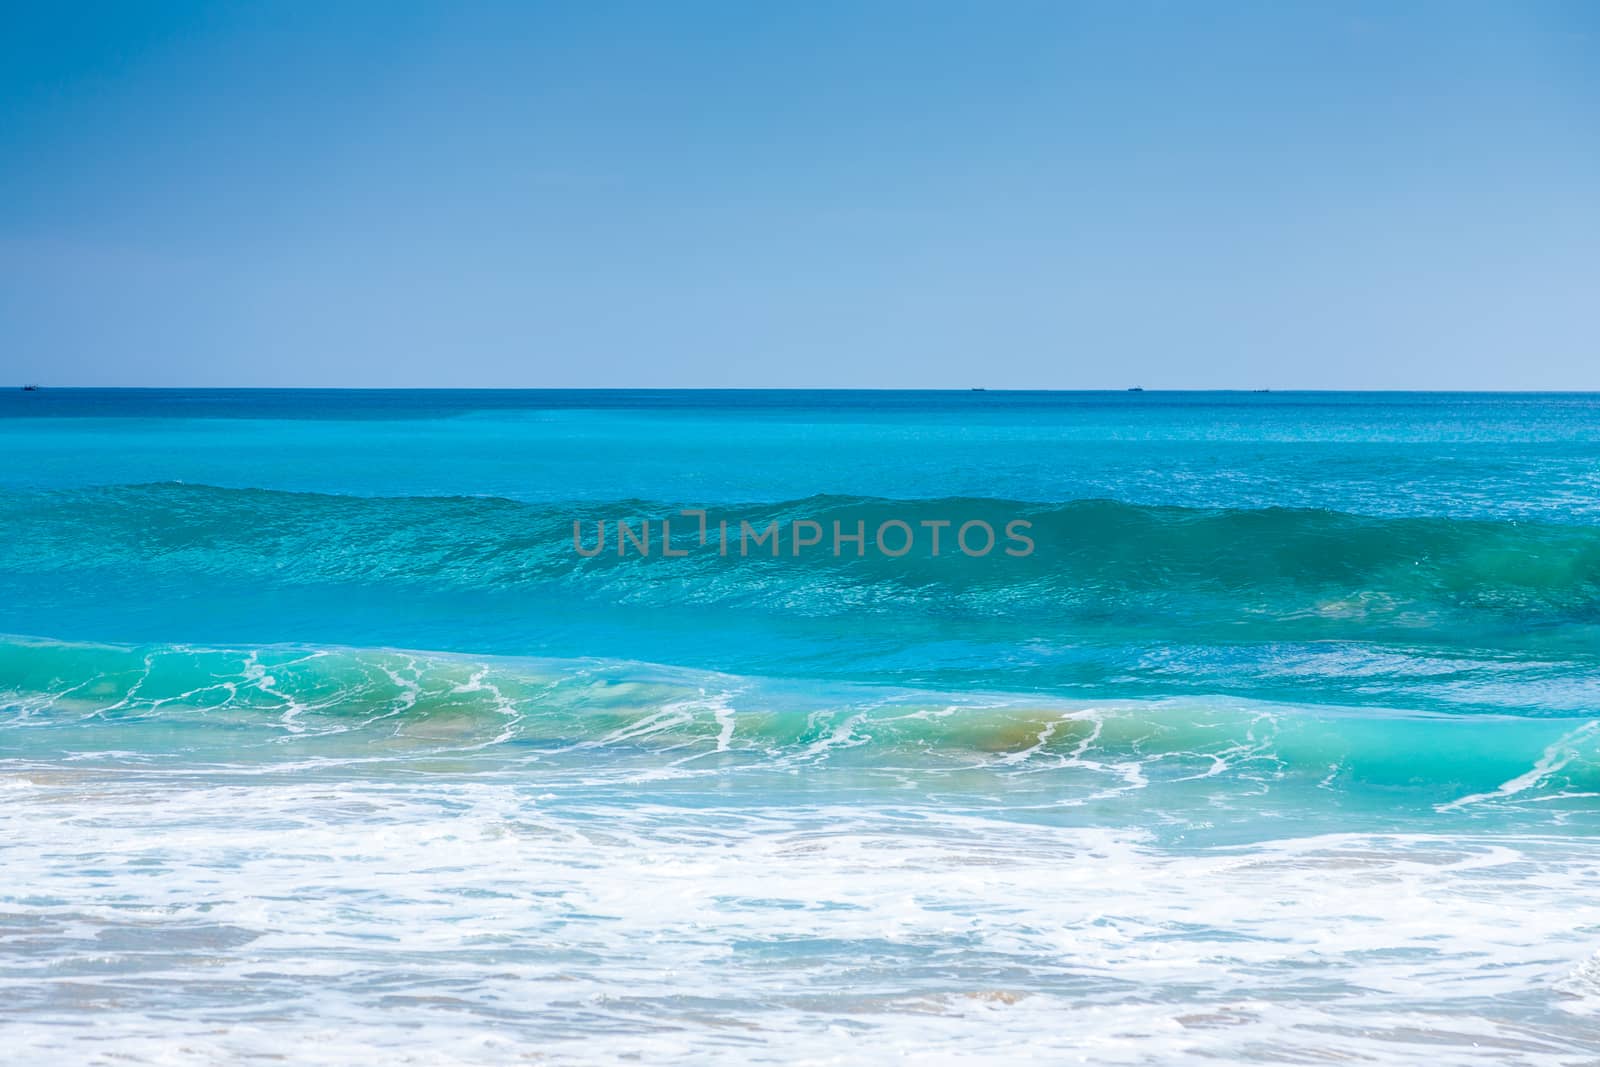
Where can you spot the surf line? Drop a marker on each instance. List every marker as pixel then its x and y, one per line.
pixel 893 538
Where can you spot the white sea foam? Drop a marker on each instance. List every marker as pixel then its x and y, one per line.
pixel 487 919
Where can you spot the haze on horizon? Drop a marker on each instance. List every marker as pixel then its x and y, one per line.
pixel 928 195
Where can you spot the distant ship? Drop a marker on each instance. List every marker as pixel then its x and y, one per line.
pixel 1137 389
pixel 978 389
pixel 30 388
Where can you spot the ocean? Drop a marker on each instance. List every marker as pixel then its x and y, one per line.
pixel 328 732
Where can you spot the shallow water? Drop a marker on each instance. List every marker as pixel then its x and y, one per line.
pixel 1281 747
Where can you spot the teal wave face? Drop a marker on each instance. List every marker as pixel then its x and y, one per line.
pixel 1423 612
pixel 600 725
pixel 1101 546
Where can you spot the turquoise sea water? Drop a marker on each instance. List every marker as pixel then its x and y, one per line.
pixel 318 737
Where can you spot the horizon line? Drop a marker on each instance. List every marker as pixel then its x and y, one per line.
pixel 39 387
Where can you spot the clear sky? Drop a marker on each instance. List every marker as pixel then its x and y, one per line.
pixel 1008 194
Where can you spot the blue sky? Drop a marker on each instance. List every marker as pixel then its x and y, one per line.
pixel 874 194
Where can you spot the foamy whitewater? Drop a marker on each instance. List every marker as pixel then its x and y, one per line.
pixel 319 741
